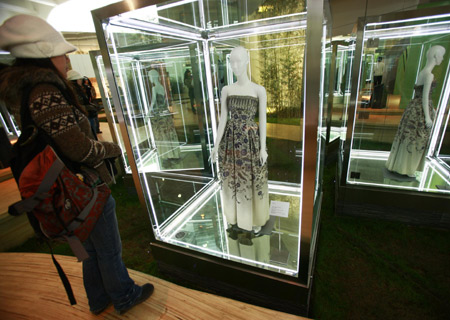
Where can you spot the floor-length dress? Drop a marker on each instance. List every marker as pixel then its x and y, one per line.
pixel 244 193
pixel 408 149
pixel 164 132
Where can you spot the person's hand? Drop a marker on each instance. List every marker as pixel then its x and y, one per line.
pixel 263 156
pixel 428 123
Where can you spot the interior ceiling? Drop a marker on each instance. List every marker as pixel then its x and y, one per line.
pixel 344 12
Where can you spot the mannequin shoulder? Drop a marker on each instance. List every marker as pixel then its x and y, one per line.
pixel 261 91
pixel 225 90
pixel 424 77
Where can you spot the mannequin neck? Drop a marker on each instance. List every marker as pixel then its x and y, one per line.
pixel 242 79
pixel 429 66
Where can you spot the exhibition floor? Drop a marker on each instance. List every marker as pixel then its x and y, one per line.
pixel 30 288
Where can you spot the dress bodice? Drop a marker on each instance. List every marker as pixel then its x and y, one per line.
pixel 242 108
pixel 418 90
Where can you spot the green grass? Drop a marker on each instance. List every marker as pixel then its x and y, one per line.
pixel 365 269
pixel 374 269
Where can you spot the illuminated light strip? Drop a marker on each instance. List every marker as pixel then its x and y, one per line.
pixel 178 48
pixel 280 188
pixel 185 213
pixel 393 186
pixel 209 80
pixel 280 46
pixel 262 20
pixel 191 147
pixel 174 4
pixel 370 155
pixel 180 23
pixel 409 20
pixel 400 31
pixel 151 27
pixel 273 40
pixel 415 34
pixel 296 25
pixel 229 256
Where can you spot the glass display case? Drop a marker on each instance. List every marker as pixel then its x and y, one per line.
pixel 398 118
pixel 167 64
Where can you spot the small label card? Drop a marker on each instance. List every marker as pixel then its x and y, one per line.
pixel 279 209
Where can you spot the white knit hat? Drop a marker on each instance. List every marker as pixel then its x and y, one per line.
pixel 73 75
pixel 26 36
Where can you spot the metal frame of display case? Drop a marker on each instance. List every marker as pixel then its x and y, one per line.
pixel 226 277
pixel 408 206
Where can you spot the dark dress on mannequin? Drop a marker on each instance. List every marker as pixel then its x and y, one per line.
pixel 408 149
pixel 245 196
pixel 164 131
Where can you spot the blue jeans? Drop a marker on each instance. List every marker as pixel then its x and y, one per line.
pixel 105 276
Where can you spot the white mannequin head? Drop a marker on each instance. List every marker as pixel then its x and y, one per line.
pixel 435 54
pixel 239 60
pixel 154 76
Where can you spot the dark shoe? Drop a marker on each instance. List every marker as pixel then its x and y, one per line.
pixel 98 311
pixel 147 290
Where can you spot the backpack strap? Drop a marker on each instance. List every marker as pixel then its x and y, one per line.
pixel 63 277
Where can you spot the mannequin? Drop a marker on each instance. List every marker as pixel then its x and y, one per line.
pixel 241 149
pixel 158 93
pixel 162 123
pixel 409 147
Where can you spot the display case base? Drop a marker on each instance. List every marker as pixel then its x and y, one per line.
pixel 235 283
pixel 413 208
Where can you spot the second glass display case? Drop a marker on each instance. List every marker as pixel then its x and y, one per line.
pixel 398 119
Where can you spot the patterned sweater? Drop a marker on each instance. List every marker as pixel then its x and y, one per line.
pixel 63 122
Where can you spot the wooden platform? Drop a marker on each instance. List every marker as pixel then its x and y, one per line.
pixel 31 289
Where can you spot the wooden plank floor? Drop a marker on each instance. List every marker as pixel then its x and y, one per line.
pixel 31 289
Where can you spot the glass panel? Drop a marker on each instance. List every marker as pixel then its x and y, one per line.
pixel 162 98
pixel 272 56
pixel 392 141
pixel 181 14
pixel 224 13
pixel 160 111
